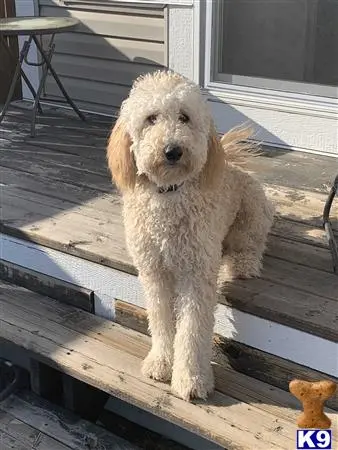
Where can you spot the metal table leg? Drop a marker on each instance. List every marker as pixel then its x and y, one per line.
pixel 18 71
pixel 56 78
pixel 328 227
pixel 49 56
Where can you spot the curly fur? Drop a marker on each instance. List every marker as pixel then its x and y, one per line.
pixel 212 228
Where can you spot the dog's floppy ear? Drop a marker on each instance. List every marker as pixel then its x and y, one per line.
pixel 215 162
pixel 120 159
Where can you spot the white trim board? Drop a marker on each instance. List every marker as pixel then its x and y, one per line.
pixel 109 284
pixel 298 131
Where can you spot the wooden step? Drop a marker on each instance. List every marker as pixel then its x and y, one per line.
pixel 28 422
pixel 244 413
pixel 229 353
pixel 295 291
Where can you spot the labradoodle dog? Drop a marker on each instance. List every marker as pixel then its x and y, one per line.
pixel 192 217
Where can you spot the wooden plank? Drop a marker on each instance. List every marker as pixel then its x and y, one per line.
pixel 306 279
pixel 16 182
pixel 240 357
pixel 40 182
pixel 95 135
pixel 37 282
pixel 80 321
pixel 58 171
pixel 29 224
pixel 131 316
pixel 298 232
pixel 10 443
pixel 299 252
pixel 289 306
pixel 302 206
pixel 230 423
pixel 293 204
pixel 45 158
pixel 112 25
pixel 19 114
pixel 294 169
pixel 54 192
pixel 24 435
pixel 59 425
pixel 264 366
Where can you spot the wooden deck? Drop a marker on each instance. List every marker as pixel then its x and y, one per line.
pixel 56 191
pixel 30 423
pixel 58 206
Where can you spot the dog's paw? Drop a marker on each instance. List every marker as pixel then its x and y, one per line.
pixel 239 265
pixel 157 366
pixel 189 387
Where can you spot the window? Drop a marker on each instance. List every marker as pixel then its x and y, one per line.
pixel 287 45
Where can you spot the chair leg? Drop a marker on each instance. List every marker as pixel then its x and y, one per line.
pixel 328 226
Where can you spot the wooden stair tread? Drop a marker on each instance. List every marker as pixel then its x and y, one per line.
pixel 242 413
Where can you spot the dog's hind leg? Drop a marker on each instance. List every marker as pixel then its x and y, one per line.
pixel 244 245
pixel 159 301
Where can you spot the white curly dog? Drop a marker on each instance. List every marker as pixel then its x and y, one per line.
pixel 191 215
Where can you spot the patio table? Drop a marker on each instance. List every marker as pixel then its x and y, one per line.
pixel 34 28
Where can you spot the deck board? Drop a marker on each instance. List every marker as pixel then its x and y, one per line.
pixel 56 191
pixel 25 435
pixel 108 356
pixel 35 424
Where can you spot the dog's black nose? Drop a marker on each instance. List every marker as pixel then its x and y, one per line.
pixel 173 153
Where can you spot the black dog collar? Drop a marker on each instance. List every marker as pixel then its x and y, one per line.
pixel 171 188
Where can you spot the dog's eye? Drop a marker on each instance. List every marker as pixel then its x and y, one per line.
pixel 183 118
pixel 151 120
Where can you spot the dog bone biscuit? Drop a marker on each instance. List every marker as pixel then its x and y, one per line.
pixel 312 395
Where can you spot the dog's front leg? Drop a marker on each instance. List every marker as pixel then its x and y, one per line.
pixel 159 302
pixel 192 372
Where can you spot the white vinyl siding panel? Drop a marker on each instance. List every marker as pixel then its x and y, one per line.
pixel 111 47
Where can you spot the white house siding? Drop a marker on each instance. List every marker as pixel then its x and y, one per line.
pixel 112 45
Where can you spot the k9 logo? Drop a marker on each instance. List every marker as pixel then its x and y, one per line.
pixel 316 439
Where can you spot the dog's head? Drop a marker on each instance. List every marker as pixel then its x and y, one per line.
pixel 164 134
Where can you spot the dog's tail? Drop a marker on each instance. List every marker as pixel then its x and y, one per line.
pixel 237 146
